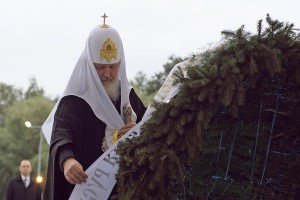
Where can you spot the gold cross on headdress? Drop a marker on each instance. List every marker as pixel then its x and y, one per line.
pixel 104 25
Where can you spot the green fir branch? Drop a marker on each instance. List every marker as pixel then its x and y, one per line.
pixel 193 132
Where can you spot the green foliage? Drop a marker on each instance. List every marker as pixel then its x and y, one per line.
pixel 158 79
pixel 17 142
pixel 147 88
pixel 33 90
pixel 8 96
pixel 139 84
pixel 213 137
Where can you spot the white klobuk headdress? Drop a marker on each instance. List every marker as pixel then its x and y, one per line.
pixel 103 46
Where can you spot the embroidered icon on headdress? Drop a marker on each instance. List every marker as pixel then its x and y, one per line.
pixel 108 50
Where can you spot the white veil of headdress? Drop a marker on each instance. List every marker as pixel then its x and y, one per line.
pixel 86 84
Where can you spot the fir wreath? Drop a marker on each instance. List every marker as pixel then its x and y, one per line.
pixel 231 132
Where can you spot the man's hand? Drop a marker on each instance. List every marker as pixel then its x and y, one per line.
pixel 126 128
pixel 73 171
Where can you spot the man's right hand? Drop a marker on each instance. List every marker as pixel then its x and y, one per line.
pixel 73 171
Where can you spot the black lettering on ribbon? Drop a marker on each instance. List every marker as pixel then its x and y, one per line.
pixel 132 134
pixel 87 192
pixel 110 160
pixel 98 173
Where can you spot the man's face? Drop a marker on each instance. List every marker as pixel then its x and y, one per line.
pixel 107 72
pixel 25 168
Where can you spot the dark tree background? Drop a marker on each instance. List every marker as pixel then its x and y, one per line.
pixel 17 142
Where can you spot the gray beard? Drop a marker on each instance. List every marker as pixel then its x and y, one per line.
pixel 113 90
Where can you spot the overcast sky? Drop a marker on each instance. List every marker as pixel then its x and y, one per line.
pixel 44 38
